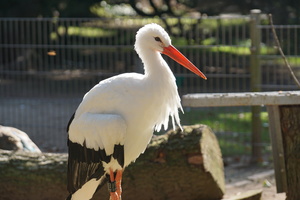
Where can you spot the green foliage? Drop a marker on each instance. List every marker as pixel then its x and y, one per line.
pixel 149 8
pixel 103 9
pixel 53 8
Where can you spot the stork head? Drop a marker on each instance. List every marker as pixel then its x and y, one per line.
pixel 154 37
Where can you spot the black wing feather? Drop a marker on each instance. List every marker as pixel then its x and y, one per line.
pixel 119 154
pixel 85 163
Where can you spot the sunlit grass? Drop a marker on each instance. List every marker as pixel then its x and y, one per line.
pixel 230 49
pixel 232 127
pixel 89 31
pixel 293 61
pixel 242 50
pixel 82 31
pixel 234 121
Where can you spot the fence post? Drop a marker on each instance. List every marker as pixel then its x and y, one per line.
pixel 255 72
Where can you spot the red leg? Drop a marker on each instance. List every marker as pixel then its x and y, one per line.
pixel 113 195
pixel 119 182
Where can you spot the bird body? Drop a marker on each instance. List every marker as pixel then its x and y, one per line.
pixel 117 117
pixel 139 102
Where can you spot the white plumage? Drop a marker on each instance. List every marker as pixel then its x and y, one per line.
pixel 126 109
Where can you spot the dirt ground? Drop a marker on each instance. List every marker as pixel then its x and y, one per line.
pixel 241 178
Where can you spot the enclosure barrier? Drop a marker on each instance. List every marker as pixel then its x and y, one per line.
pixel 48 64
pixel 279 135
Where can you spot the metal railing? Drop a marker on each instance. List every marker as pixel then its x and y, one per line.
pixel 47 65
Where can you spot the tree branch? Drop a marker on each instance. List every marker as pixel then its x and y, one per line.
pixel 154 8
pixel 170 10
pixel 281 52
pixel 139 11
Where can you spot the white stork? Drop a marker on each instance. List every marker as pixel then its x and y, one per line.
pixel 116 118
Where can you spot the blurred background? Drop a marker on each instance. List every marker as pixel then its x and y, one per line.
pixel 53 52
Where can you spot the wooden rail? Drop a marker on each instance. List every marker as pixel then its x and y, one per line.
pixel 241 99
pixel 273 100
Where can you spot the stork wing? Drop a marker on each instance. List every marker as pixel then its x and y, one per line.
pixel 93 139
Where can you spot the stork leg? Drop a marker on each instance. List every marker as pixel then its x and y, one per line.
pixel 119 182
pixel 115 184
pixel 112 186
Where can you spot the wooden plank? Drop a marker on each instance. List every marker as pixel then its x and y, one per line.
pixel 277 148
pixel 241 99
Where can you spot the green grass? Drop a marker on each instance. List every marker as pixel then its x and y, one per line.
pixel 240 50
pixel 86 31
pixel 293 61
pixel 232 127
pixel 233 120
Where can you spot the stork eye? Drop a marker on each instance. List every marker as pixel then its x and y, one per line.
pixel 157 39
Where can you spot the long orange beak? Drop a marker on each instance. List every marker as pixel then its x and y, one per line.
pixel 173 53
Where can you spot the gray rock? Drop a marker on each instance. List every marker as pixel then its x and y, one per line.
pixel 16 140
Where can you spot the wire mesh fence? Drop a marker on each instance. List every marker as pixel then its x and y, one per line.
pixel 275 75
pixel 47 65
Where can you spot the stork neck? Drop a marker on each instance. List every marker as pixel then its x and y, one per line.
pixel 154 64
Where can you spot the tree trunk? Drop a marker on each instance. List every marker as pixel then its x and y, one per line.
pixel 178 165
pixel 290 127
